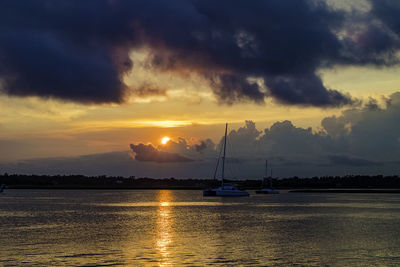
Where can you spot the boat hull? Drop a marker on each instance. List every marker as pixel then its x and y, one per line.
pixel 224 192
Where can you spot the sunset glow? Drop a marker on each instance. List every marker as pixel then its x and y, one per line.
pixel 165 140
pixel 154 85
pixel 146 118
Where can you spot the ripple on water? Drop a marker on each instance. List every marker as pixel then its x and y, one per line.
pixel 156 228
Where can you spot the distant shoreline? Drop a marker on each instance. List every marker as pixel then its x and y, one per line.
pixel 352 190
pixel 290 190
pixel 326 184
pixel 99 188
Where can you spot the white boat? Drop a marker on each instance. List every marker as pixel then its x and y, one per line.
pixel 269 190
pixel 230 190
pixel 226 189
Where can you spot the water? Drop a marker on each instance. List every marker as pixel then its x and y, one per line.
pixel 178 228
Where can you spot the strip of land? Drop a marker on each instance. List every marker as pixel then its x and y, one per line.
pixel 328 184
pixel 360 190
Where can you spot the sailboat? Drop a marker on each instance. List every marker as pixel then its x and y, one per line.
pixel 226 189
pixel 265 190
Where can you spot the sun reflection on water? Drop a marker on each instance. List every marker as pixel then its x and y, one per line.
pixel 164 231
pixel 164 204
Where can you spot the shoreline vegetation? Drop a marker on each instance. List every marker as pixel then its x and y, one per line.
pixel 328 184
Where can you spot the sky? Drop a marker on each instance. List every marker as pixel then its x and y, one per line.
pixel 92 87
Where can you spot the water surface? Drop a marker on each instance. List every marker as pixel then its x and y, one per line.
pixel 170 228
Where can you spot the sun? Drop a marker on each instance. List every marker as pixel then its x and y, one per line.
pixel 165 140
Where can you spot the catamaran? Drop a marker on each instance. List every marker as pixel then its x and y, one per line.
pixel 226 189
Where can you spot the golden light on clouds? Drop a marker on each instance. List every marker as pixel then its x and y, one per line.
pixel 100 125
pixel 164 85
pixel 186 109
pixel 166 123
pixel 165 140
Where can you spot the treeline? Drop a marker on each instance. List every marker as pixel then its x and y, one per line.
pixel 350 181
pixel 118 182
pixel 99 182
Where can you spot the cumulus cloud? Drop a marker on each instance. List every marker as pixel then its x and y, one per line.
pixel 335 126
pixel 201 146
pixel 175 151
pixel 79 50
pixel 149 153
pixel 363 140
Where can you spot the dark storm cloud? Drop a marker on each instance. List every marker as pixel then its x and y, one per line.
pixel 63 49
pixel 235 88
pixel 149 153
pixel 79 50
pixel 388 11
pixel 288 90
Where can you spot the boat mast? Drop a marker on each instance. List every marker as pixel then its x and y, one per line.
pixel 270 181
pixel 223 158
pixel 266 173
pixel 216 167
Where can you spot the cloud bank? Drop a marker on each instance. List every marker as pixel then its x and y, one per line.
pixel 363 140
pixel 149 153
pixel 79 50
pixel 173 151
pixel 360 140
